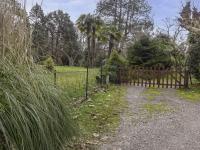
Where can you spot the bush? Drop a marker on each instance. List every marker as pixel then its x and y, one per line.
pixel 114 63
pixel 33 113
pixel 49 63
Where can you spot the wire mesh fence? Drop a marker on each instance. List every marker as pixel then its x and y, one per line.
pixel 74 82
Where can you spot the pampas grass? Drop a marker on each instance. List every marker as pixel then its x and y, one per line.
pixel 33 112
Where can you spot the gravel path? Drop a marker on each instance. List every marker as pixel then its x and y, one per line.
pixel 174 130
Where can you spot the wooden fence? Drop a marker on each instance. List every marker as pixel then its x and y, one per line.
pixel 154 77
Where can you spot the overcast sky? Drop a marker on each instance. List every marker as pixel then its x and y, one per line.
pixel 161 9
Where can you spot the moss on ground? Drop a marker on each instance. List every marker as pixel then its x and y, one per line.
pixel 192 94
pixel 156 108
pixel 151 93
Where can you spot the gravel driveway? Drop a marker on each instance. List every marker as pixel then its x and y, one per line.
pixel 174 130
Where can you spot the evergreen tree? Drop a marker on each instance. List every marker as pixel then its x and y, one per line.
pixel 62 38
pixel 39 34
pixel 149 52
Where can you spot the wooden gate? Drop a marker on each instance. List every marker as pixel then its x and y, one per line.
pixel 154 77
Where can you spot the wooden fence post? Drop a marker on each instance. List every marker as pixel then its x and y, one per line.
pixel 186 80
pixel 159 76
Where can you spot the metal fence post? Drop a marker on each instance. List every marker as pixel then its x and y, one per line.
pixel 87 82
pixel 101 74
pixel 55 77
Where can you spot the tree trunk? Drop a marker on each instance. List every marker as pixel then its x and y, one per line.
pixel 111 44
pixel 126 27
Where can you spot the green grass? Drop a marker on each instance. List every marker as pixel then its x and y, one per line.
pixel 69 69
pixel 192 94
pixel 101 113
pixel 156 108
pixel 73 80
pixel 152 93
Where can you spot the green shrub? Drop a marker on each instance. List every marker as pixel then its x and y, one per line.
pixel 33 113
pixel 114 63
pixel 49 63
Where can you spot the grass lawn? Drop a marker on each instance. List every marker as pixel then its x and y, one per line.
pixel 69 69
pixel 192 94
pixel 73 80
pixel 101 113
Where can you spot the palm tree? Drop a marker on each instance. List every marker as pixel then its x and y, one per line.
pixel 84 24
pixel 97 24
pixel 110 34
pixel 90 25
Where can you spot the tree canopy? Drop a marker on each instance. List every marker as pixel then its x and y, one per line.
pixel 54 35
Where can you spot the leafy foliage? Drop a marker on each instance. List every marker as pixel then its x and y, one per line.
pixel 150 52
pixel 49 63
pixel 114 63
pixel 110 34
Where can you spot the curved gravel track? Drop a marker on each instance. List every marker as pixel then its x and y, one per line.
pixel 175 130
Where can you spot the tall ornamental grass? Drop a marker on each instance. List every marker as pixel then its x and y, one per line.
pixel 33 112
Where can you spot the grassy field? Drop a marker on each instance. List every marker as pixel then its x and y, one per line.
pixel 73 80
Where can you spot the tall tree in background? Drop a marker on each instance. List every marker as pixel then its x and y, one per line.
pixel 90 25
pixel 110 34
pixel 54 35
pixel 194 55
pixel 190 20
pixel 62 38
pixel 84 23
pixel 176 36
pixel 130 17
pixel 39 34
